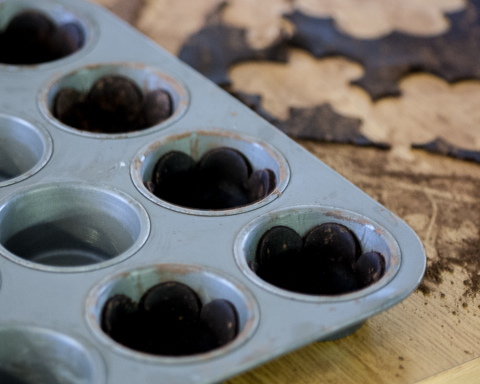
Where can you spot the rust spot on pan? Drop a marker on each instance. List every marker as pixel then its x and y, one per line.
pixel 178 269
pixel 345 216
pixel 379 231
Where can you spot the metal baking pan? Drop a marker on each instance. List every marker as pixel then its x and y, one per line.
pixel 91 186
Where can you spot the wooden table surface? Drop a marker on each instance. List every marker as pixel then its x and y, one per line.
pixel 433 336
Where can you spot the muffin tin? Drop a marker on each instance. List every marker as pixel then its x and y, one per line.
pixel 78 224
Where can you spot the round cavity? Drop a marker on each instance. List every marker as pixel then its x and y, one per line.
pixel 208 284
pixel 146 78
pixel 36 355
pixel 24 149
pixel 60 16
pixel 371 237
pixel 259 154
pixel 71 227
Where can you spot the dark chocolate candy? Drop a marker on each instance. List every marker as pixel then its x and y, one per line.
pixel 173 178
pixel 114 308
pixel 65 101
pixel 169 321
pixel 171 164
pixel 202 339
pixel 65 40
pixel 220 180
pixel 31 37
pixel 219 194
pixel 217 326
pixel 225 164
pixel 331 243
pixel 117 96
pixel 120 319
pixel 26 37
pixel 222 174
pixel 157 107
pixel 370 268
pixel 323 263
pixel 169 339
pixel 171 302
pixel 278 254
pixel 261 183
pixel 29 26
pixel 330 279
pixel 221 318
pixel 70 108
pixel 114 104
pixel 169 311
pixel 279 242
pixel 339 280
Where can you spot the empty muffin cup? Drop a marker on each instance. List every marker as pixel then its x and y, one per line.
pixel 36 33
pixel 36 355
pixel 71 227
pixel 257 156
pixel 24 149
pixel 206 284
pixel 371 239
pixel 117 100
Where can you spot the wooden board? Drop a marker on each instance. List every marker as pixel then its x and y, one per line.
pixel 435 333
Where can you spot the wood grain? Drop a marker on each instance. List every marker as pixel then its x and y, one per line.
pixel 427 334
pixel 465 373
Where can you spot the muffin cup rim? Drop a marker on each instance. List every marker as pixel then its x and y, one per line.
pixel 240 257
pixel 93 356
pixel 141 212
pixel 146 150
pixel 89 25
pixel 91 302
pixel 177 84
pixel 44 136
